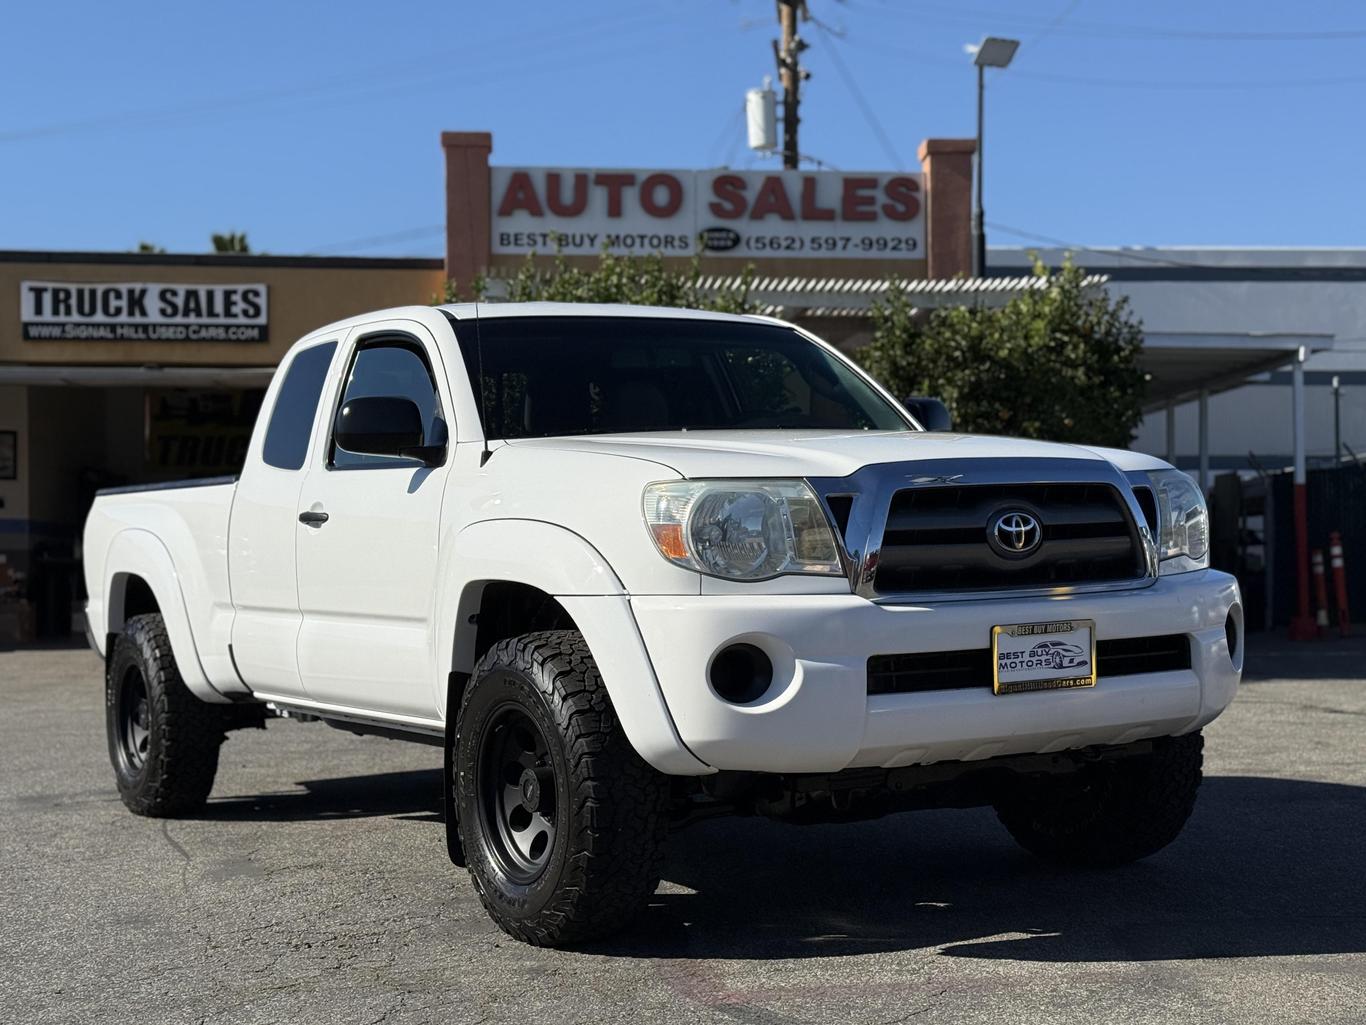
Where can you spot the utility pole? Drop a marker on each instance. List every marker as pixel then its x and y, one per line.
pixel 790 75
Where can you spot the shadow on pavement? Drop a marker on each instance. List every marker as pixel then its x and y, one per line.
pixel 413 795
pixel 1265 867
pixel 1272 656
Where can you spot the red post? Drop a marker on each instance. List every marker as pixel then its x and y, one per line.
pixel 1339 582
pixel 1302 626
pixel 1320 593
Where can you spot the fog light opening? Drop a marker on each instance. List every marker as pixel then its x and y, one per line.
pixel 1231 632
pixel 741 673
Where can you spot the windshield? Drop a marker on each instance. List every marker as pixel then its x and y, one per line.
pixel 551 376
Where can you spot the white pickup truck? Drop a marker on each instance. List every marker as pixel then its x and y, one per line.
pixel 660 565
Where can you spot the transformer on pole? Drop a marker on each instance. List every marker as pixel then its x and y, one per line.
pixel 761 117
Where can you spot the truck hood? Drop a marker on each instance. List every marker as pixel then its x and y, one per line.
pixel 698 454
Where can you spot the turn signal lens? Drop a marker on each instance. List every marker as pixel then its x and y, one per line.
pixel 669 538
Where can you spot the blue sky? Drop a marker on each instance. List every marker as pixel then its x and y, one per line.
pixel 314 126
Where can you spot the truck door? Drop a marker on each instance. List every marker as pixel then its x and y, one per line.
pixel 262 528
pixel 367 539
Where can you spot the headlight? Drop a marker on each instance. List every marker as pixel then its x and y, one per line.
pixel 1182 523
pixel 741 529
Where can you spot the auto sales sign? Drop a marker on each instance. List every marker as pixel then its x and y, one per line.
pixel 138 311
pixel 748 214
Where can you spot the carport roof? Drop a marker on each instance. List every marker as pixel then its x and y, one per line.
pixel 1182 365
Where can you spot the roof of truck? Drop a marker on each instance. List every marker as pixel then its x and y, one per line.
pixel 466 311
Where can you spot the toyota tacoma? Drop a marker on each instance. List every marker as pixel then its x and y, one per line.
pixel 630 568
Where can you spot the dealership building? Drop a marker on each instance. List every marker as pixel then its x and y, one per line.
pixel 120 368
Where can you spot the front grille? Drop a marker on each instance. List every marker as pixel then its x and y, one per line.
pixel 1130 655
pixel 970 669
pixel 936 538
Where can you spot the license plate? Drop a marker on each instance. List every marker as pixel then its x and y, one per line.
pixel 1043 656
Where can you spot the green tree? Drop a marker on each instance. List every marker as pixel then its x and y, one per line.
pixel 1058 363
pixel 150 247
pixel 643 280
pixel 232 242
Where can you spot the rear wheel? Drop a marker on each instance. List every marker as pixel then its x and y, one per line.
pixel 1110 813
pixel 562 823
pixel 163 741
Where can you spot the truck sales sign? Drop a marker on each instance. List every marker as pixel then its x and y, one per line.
pixel 124 311
pixel 747 214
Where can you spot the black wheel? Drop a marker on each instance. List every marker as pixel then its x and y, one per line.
pixel 1110 813
pixel 563 825
pixel 163 741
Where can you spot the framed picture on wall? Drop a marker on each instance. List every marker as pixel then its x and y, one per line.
pixel 9 455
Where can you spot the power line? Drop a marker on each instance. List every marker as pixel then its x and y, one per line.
pixel 1112 253
pixel 1057 21
pixel 956 14
pixel 371 241
pixel 725 142
pixel 1173 85
pixel 422 70
pixel 864 106
pixel 1179 85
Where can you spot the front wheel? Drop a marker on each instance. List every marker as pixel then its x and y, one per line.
pixel 1110 813
pixel 562 823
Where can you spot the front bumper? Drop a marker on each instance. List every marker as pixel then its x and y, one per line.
pixel 818 717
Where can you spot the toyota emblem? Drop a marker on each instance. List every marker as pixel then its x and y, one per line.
pixel 1016 533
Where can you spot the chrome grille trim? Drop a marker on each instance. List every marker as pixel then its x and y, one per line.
pixel 874 486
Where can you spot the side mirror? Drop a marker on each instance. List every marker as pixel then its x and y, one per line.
pixel 385 426
pixel 931 414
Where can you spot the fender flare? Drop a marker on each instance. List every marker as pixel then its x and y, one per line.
pixel 543 555
pixel 567 567
pixel 140 553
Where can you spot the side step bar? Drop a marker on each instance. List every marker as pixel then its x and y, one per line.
pixel 362 725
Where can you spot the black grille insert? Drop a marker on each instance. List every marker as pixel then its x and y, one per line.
pixel 936 538
pixel 971 668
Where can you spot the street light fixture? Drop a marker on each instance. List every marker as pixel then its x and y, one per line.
pixel 992 52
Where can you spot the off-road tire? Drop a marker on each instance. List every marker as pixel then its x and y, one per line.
pixel 183 733
pixel 1110 813
pixel 610 807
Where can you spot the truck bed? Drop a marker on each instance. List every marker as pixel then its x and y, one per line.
pixel 174 536
pixel 169 485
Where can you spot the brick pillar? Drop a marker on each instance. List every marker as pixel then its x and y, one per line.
pixel 947 164
pixel 468 206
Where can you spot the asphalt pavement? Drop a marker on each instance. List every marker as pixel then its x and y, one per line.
pixel 315 888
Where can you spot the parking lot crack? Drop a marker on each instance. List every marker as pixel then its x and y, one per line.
pixel 184 854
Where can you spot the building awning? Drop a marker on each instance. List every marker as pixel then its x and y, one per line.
pixel 1181 366
pixel 853 297
pixel 136 377
pixel 804 297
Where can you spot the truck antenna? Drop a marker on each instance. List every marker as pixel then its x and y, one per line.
pixel 483 391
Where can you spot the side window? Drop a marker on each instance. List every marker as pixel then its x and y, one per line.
pixel 296 404
pixel 395 369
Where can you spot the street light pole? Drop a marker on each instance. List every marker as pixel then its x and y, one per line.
pixel 991 52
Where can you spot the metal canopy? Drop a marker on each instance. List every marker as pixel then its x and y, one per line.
pixel 795 297
pixel 1181 366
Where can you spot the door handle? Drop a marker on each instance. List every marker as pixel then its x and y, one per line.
pixel 313 519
